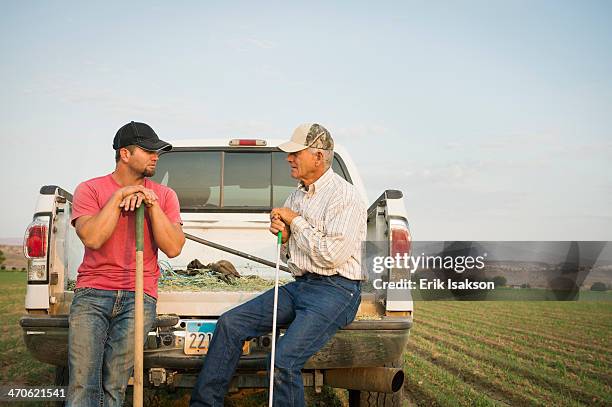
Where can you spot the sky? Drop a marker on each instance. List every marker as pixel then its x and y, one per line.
pixel 493 117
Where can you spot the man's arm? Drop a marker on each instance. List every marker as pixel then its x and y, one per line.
pixel 95 230
pixel 168 236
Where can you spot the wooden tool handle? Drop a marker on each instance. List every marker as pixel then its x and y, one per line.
pixel 139 310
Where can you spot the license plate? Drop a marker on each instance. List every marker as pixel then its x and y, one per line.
pixel 199 333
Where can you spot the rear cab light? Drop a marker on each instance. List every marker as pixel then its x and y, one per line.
pixel 35 249
pixel 247 143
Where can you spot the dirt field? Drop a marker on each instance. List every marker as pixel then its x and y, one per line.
pixel 466 354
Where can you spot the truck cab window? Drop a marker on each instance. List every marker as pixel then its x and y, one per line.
pixel 247 179
pixel 194 176
pixel 283 184
pixel 229 179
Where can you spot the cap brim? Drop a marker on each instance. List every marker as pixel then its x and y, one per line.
pixel 292 147
pixel 155 146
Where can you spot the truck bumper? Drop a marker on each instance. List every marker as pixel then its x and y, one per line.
pixel 365 343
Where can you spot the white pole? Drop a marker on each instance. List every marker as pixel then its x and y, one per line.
pixel 278 250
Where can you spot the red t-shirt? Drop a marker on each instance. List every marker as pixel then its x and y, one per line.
pixel 113 266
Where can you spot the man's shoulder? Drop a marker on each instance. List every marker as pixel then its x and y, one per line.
pixel 342 186
pixel 345 191
pixel 337 178
pixel 97 181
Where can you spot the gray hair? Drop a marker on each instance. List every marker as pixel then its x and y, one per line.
pixel 328 155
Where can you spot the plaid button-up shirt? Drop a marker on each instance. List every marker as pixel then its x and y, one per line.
pixel 327 236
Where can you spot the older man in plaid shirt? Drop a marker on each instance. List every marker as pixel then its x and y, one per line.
pixel 323 225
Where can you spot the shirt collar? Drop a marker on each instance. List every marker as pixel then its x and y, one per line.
pixel 318 184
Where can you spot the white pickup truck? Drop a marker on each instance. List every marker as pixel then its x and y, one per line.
pixel 226 189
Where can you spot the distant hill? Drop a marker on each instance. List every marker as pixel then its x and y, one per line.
pixel 13 257
pixel 11 241
pixel 541 275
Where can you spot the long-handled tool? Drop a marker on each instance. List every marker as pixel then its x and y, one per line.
pixel 278 250
pixel 139 309
pixel 234 251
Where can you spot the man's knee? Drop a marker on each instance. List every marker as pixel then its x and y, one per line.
pixel 230 319
pixel 225 320
pixel 234 325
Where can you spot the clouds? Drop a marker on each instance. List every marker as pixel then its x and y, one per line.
pixel 487 125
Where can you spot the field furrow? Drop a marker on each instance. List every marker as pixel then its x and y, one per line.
pixel 575 327
pixel 589 351
pixel 546 379
pixel 486 378
pixel 430 385
pixel 527 345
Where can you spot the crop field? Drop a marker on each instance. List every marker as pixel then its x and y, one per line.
pixel 460 353
pixel 510 353
pixel 16 365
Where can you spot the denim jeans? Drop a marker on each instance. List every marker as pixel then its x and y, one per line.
pixel 314 307
pixel 101 345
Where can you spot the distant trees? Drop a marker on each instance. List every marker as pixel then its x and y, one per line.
pixel 499 281
pixel 599 286
pixel 2 258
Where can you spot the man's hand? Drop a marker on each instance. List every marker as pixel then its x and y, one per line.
pixel 285 214
pixel 277 225
pixel 132 200
pixel 129 190
pixel 280 218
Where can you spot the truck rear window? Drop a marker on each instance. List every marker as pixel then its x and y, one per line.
pixel 222 180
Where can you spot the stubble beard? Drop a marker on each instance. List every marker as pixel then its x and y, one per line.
pixel 148 173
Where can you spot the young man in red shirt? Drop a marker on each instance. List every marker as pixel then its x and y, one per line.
pixel 101 334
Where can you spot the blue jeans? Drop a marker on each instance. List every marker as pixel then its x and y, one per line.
pixel 101 345
pixel 314 307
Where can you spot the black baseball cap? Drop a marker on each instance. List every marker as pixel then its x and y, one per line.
pixel 141 135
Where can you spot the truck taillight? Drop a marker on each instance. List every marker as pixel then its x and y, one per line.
pixel 35 249
pixel 35 241
pixel 401 240
pixel 247 143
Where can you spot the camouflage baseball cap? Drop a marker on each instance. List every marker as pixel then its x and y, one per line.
pixel 308 135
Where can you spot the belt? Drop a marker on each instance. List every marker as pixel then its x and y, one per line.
pixel 316 275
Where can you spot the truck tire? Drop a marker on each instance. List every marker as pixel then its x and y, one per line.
pixel 373 399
